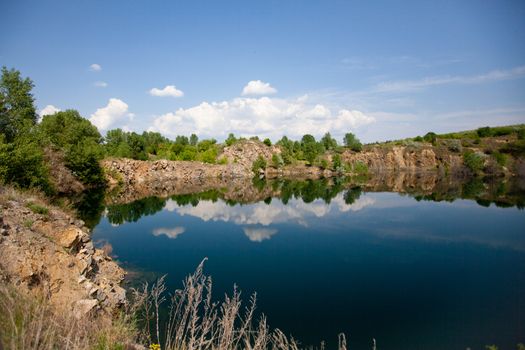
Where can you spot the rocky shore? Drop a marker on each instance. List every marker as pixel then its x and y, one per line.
pixel 48 253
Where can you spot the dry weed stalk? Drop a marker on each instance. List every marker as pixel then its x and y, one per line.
pixel 195 322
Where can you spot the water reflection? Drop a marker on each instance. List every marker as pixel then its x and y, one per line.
pixel 272 204
pixel 335 255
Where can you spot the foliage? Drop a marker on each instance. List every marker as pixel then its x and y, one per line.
pixel 22 163
pixel 17 110
pixel 328 142
pixel 336 162
pixel 258 164
pixel 430 137
pixel 352 142
pixel 80 141
pixel 277 161
pixel 473 161
pixel 500 158
pixel 37 208
pixel 230 140
pixel 267 142
pixel 484 132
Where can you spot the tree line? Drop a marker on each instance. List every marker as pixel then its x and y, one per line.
pixel 27 144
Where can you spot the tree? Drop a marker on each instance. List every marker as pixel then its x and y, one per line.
pixel 328 142
pixel 17 110
pixel 194 140
pixel 309 148
pixel 79 140
pixel 352 142
pixel 230 140
pixel 267 142
pixel 430 137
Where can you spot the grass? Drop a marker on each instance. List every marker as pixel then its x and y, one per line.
pixel 37 209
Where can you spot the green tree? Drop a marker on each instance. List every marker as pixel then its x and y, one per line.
pixel 352 142
pixel 22 163
pixel 80 141
pixel 116 144
pixel 194 140
pixel 430 137
pixel 17 110
pixel 309 148
pixel 329 142
pixel 230 140
pixel 267 142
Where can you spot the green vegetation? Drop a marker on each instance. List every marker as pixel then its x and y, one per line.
pixel 37 209
pixel 258 164
pixel 352 142
pixel 473 161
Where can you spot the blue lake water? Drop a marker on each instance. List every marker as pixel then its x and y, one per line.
pixel 411 274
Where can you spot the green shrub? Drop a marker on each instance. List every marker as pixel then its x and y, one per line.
pixel 277 161
pixel 352 142
pixel 418 139
pixel 209 156
pixel 336 162
pixel 500 158
pixel 484 132
pixel 430 137
pixel 473 161
pixel 323 164
pixel 259 163
pixel 267 142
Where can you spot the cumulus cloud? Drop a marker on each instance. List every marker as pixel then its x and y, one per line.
pixel 258 234
pixel 101 84
pixel 262 116
pixel 169 232
pixel 48 110
pixel 257 87
pixel 106 117
pixel 167 91
pixel 95 67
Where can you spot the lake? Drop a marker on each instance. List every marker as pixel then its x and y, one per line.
pixel 425 270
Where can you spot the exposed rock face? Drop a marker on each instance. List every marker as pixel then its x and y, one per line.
pixel 246 152
pixel 52 255
pixel 424 158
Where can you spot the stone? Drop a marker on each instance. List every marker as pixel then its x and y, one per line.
pixel 84 307
pixel 69 238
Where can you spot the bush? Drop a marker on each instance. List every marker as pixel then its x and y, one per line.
pixel 277 161
pixel 474 161
pixel 418 139
pixel 484 132
pixel 454 146
pixel 352 142
pixel 22 163
pixel 336 162
pixel 430 137
pixel 258 164
pixel 500 158
pixel 209 156
pixel 37 209
pixel 267 142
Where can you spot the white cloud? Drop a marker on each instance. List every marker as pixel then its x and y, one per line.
pixel 258 234
pixel 48 110
pixel 168 90
pixel 95 67
pixel 106 117
pixel 169 232
pixel 257 87
pixel 410 85
pixel 263 116
pixel 101 84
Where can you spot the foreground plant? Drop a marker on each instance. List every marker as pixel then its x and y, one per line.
pixel 196 322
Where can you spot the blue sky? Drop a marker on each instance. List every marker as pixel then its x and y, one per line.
pixel 382 69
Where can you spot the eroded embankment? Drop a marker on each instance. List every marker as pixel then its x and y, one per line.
pixel 48 253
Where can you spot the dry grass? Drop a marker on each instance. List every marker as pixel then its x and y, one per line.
pixel 196 322
pixel 29 323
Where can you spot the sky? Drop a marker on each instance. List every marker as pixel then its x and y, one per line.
pixel 380 69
